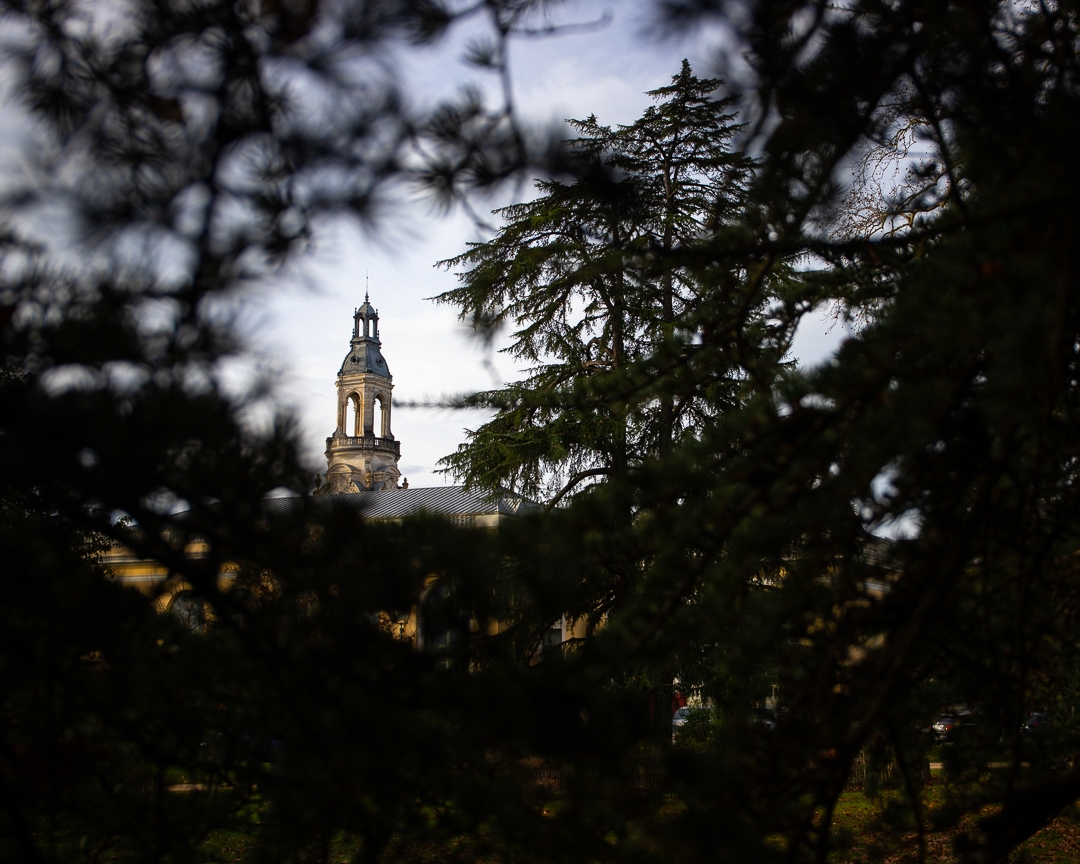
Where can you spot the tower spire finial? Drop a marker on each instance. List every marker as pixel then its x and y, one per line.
pixel 365 286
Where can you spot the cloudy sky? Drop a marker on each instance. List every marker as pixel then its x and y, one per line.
pixel 299 328
pixel 302 328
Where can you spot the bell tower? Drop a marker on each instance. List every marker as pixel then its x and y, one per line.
pixel 362 453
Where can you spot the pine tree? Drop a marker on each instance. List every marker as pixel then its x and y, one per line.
pixel 572 270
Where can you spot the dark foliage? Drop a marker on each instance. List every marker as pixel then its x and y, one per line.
pixel 583 274
pixel 736 557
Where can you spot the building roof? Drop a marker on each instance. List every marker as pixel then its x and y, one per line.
pixel 437 500
pixel 364 356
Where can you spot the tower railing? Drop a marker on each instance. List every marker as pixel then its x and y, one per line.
pixel 367 442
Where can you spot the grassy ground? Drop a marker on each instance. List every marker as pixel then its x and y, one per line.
pixel 864 829
pixel 863 826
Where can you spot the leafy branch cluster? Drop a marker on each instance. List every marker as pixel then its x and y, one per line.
pixel 654 285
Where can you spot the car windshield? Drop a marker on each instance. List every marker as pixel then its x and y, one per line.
pixel 682 713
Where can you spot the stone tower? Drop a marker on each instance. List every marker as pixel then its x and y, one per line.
pixel 359 455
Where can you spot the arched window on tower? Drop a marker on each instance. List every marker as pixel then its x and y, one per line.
pixel 378 426
pixel 354 415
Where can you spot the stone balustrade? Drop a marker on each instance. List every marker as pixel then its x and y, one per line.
pixel 368 442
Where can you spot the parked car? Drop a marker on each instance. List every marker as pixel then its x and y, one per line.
pixel 1038 722
pixel 950 728
pixel 763 718
pixel 679 720
pixel 689 714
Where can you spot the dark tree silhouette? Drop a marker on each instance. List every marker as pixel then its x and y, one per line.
pixel 570 270
pixel 739 558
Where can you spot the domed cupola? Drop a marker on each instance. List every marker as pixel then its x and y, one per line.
pixel 362 452
pixel 365 352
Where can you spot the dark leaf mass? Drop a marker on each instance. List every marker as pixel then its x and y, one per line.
pixel 860 547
